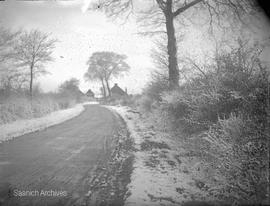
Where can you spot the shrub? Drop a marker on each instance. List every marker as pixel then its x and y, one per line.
pixel 152 94
pixel 224 108
pixel 239 153
pixel 192 111
pixel 145 103
pixel 18 106
pixel 236 83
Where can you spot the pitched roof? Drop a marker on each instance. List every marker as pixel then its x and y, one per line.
pixel 90 93
pixel 117 90
pixel 77 91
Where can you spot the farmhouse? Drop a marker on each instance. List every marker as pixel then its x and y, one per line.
pixel 89 93
pixel 116 91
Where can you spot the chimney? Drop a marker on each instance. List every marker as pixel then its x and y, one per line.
pixel 126 90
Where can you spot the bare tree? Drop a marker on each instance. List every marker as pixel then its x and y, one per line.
pixel 11 78
pixel 160 14
pixel 34 49
pixel 7 38
pixel 159 56
pixel 104 65
pixel 95 72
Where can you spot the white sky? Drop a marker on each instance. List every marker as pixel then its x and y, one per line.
pixel 80 34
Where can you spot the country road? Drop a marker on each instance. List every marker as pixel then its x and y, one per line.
pixel 74 159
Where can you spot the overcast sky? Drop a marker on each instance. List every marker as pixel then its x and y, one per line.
pixel 82 32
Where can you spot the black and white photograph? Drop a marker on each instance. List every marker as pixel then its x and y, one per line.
pixel 134 102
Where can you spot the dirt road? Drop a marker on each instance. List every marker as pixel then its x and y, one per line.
pixel 67 164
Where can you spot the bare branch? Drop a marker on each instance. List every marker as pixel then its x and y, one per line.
pixel 161 4
pixel 185 7
pixel 33 49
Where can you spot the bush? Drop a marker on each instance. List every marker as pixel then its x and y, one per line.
pixel 145 103
pixel 152 94
pixel 236 83
pixel 192 111
pixel 239 154
pixel 224 109
pixel 17 106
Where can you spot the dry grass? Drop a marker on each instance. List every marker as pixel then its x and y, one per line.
pixel 17 107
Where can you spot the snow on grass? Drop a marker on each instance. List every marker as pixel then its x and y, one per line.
pixel 89 103
pixel 21 127
pixel 161 175
pixel 123 111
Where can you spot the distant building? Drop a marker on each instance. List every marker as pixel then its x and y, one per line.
pixel 89 93
pixel 116 91
pixel 79 92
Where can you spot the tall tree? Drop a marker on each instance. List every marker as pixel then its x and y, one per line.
pixel 95 72
pixel 105 65
pixel 33 50
pixel 160 14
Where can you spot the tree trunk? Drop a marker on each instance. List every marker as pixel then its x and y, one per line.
pixel 31 81
pixel 108 88
pixel 172 47
pixel 104 89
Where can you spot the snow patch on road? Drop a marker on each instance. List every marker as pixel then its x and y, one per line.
pixel 21 127
pixel 161 176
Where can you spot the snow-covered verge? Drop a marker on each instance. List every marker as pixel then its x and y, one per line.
pixel 21 127
pixel 162 173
